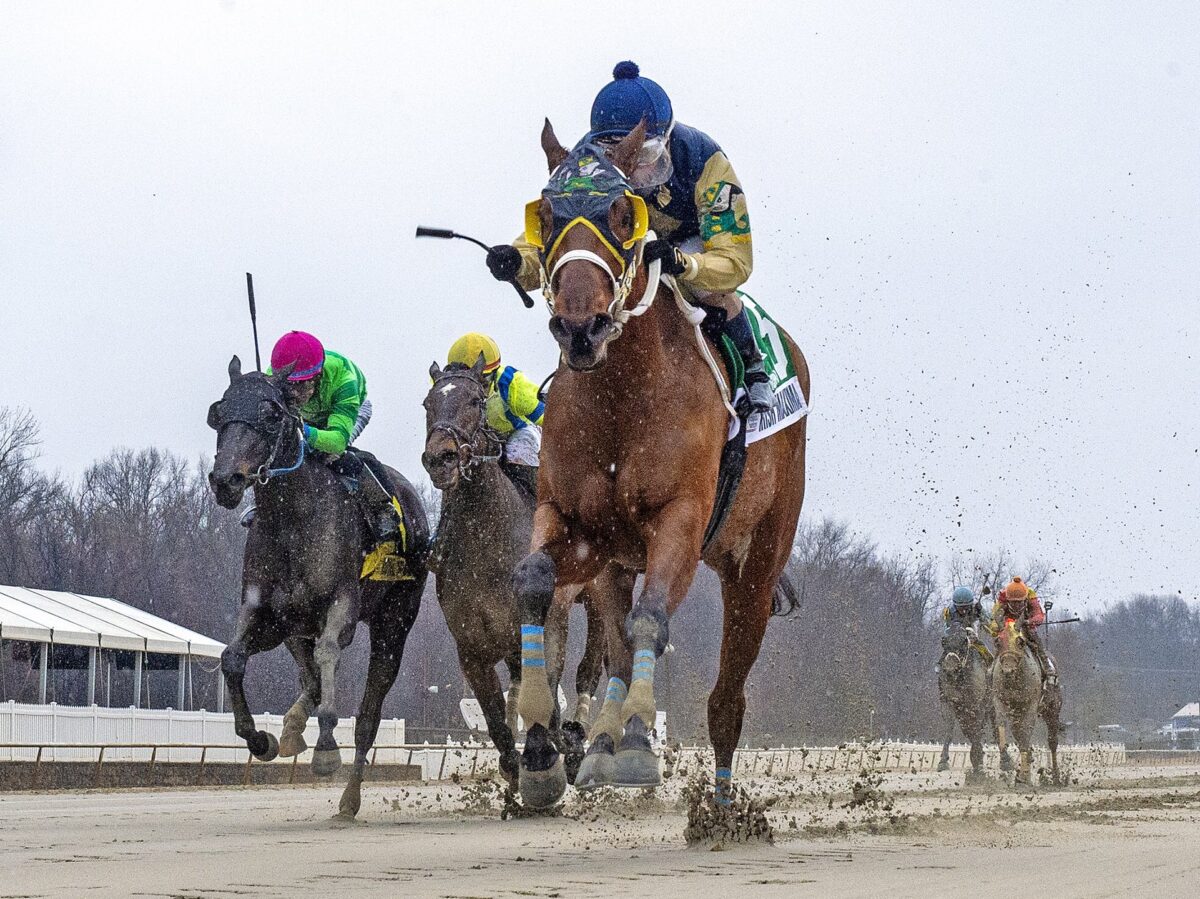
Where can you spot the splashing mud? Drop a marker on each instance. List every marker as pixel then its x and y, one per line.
pixel 743 820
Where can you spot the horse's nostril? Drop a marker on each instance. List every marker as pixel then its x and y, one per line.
pixel 599 326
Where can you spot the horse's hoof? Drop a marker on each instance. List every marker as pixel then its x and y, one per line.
pixel 326 761
pixel 265 748
pixel 510 767
pixel 291 744
pixel 543 789
pixel 636 763
pixel 943 765
pixel 573 738
pixel 599 766
pixel 543 779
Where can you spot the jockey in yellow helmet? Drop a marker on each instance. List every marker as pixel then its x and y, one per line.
pixel 514 410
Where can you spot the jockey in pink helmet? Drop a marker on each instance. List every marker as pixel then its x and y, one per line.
pixel 326 389
pixel 329 393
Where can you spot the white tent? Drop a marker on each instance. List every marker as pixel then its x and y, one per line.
pixel 71 619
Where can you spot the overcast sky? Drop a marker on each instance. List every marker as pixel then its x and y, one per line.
pixel 982 226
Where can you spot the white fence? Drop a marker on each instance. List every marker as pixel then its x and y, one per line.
pixel 50 724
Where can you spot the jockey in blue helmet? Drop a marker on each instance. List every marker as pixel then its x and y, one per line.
pixel 963 608
pixel 696 206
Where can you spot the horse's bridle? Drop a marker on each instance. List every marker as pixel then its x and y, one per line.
pixel 461 438
pixel 265 472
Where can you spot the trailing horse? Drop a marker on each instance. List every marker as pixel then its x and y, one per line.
pixel 964 694
pixel 1020 698
pixel 482 534
pixel 632 442
pixel 301 574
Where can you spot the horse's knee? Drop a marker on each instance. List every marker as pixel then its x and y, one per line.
pixel 233 661
pixel 647 623
pixel 533 582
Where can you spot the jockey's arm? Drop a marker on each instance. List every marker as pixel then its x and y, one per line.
pixel 728 256
pixel 347 399
pixel 1036 615
pixel 530 275
pixel 522 399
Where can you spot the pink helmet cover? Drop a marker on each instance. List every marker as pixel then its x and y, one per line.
pixel 300 350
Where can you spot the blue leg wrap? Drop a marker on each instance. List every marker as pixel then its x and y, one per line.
pixel 533 649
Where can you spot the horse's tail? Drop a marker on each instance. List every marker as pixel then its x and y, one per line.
pixel 786 598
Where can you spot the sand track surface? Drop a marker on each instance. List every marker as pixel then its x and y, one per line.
pixel 1124 832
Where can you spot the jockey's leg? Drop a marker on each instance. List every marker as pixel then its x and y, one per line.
pixel 367 479
pixel 1049 674
pixel 521 454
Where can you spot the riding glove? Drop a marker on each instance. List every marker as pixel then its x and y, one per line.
pixel 672 259
pixel 504 262
pixel 309 432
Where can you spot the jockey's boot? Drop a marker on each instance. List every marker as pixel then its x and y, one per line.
pixel 524 476
pixel 370 485
pixel 758 385
pixel 1049 672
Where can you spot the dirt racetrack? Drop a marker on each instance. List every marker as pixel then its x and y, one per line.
pixel 1129 831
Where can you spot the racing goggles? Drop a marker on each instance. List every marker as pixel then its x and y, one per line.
pixel 653 165
pixel 581 192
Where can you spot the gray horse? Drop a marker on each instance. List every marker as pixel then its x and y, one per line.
pixel 1020 698
pixel 483 531
pixel 963 691
pixel 300 579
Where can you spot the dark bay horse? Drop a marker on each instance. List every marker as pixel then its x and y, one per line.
pixel 482 534
pixel 1020 698
pixel 964 694
pixel 633 436
pixel 300 578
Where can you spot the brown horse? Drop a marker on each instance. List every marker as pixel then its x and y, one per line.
pixel 1020 697
pixel 482 534
pixel 634 430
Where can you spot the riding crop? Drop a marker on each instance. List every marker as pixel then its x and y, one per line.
pixel 447 234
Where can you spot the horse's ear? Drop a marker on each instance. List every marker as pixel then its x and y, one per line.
pixel 624 155
pixel 434 371
pixel 555 152
pixel 280 376
pixel 478 367
pixel 235 369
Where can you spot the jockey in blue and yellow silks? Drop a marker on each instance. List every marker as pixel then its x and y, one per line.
pixel 696 206
pixel 514 409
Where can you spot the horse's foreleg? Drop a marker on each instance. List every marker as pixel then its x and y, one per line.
pixel 542 777
pixel 948 725
pixel 613 593
pixel 587 675
pixel 335 636
pixel 570 734
pixel 485 684
pixel 291 740
pixel 387 650
pixel 673 541
pixel 254 633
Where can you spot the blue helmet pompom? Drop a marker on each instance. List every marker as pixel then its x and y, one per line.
pixel 625 70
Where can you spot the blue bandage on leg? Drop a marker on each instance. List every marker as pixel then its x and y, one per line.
pixel 533 646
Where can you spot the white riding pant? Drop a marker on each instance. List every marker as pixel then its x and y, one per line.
pixel 524 445
pixel 364 416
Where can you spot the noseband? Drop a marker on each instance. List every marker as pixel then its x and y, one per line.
pixel 265 472
pixel 461 438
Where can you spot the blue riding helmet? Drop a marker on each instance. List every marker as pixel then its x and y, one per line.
pixel 962 596
pixel 628 99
